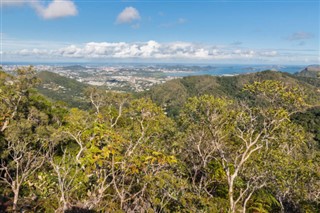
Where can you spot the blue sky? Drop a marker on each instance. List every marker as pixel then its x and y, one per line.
pixel 268 32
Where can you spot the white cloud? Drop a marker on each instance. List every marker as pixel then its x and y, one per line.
pixel 33 52
pixel 178 51
pixel 237 51
pixel 269 53
pixel 70 51
pixel 128 15
pixel 150 50
pixel 55 9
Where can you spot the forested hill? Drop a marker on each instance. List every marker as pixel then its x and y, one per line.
pixel 127 155
pixel 173 94
pixel 310 71
pixel 60 88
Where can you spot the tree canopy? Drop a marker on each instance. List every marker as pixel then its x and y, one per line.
pixel 125 154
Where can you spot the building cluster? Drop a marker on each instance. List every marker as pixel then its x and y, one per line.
pixel 121 78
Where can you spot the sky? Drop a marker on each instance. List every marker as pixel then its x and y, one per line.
pixel 211 31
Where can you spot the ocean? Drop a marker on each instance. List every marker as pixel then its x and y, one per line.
pixel 226 70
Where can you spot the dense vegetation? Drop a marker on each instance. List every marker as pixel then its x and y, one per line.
pixel 166 96
pixel 310 120
pixel 310 71
pixel 220 153
pixel 60 88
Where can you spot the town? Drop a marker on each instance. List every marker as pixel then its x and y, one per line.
pixel 114 77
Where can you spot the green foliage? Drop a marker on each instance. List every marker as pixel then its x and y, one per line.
pixel 264 202
pixel 312 71
pixel 310 120
pixel 277 94
pixel 243 149
pixel 226 86
pixel 60 88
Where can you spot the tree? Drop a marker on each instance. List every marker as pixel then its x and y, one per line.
pixel 23 157
pixel 130 160
pixel 22 126
pixel 239 137
pixel 108 106
pixel 125 154
pixel 66 172
pixel 14 92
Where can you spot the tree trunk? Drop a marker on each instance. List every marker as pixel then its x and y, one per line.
pixel 231 201
pixel 15 200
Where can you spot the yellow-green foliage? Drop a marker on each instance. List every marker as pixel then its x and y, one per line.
pixel 220 154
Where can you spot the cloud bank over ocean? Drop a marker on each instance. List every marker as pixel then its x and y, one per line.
pixel 153 50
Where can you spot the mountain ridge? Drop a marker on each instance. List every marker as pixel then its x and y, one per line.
pixel 312 71
pixel 223 86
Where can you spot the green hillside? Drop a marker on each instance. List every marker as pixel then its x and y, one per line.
pixel 312 71
pixel 310 120
pixel 238 152
pixel 60 88
pixel 174 94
